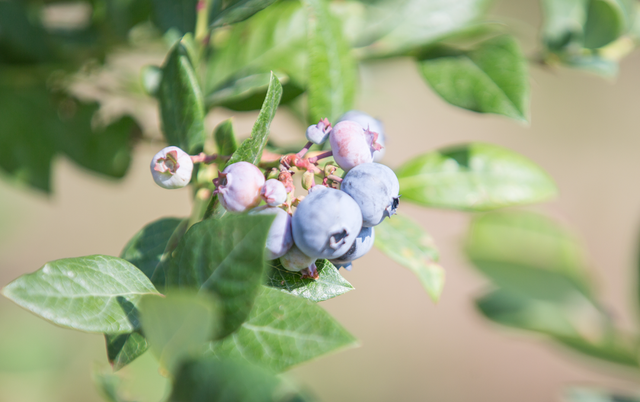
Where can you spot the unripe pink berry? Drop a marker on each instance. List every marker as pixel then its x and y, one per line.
pixel 171 168
pixel 352 145
pixel 238 187
pixel 274 192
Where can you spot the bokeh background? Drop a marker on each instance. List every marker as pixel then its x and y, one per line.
pixel 584 132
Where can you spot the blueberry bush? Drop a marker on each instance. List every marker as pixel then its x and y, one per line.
pixel 227 298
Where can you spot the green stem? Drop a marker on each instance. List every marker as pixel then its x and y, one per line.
pixel 202 20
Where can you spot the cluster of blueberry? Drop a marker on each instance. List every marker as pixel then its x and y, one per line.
pixel 328 223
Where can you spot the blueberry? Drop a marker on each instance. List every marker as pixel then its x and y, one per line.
pixel 171 168
pixel 360 247
pixel 326 223
pixel 369 123
pixel 296 260
pixel 273 192
pixel 318 133
pixel 375 189
pixel 280 238
pixel 352 144
pixel 239 187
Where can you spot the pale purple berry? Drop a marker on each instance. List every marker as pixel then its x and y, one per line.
pixel 280 238
pixel 296 260
pixel 238 187
pixel 368 123
pixel 318 133
pixel 375 189
pixel 352 144
pixel 362 245
pixel 273 192
pixel 171 168
pixel 326 223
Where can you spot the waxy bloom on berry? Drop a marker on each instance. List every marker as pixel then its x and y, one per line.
pixel 239 186
pixel 171 168
pixel 368 123
pixel 352 144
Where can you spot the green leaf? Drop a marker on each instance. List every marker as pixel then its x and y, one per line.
pixel 212 380
pixel 181 104
pixel 177 14
pixel 527 239
pixel 406 25
pixel 239 10
pixel 248 93
pixel 563 22
pixel 473 177
pixel 332 69
pixel 410 246
pixel 108 385
pixel 22 40
pixel 145 249
pixel 122 349
pixel 606 21
pixel 251 149
pixel 575 394
pixel 97 293
pixel 225 257
pixel 159 274
pixel 273 40
pixel 226 142
pixel 574 324
pixel 491 78
pixel 178 325
pixel 282 331
pixel 329 285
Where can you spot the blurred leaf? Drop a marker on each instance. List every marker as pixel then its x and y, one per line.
pixel 606 21
pixel 251 149
pixel 491 78
pixel 572 323
pixel 29 150
pixel 225 257
pixel 97 293
pixel 473 177
pixel 177 14
pixel 225 138
pixel 410 246
pixel 272 40
pixel 212 380
pixel 248 93
pixel 122 349
pixel 105 150
pixel 108 385
pixel 145 249
pixel 597 395
pixel 406 25
pixel 332 69
pixel 150 78
pixel 284 330
pixel 526 238
pixel 563 22
pixel 178 325
pixel 239 10
pixel 181 104
pixel 329 285
pixel 21 39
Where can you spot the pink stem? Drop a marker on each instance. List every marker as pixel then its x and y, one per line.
pixel 320 156
pixel 304 150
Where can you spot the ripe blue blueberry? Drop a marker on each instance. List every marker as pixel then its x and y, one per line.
pixel 369 123
pixel 360 247
pixel 280 238
pixel 375 189
pixel 326 223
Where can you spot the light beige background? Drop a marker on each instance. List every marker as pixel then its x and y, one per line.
pixel 584 132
